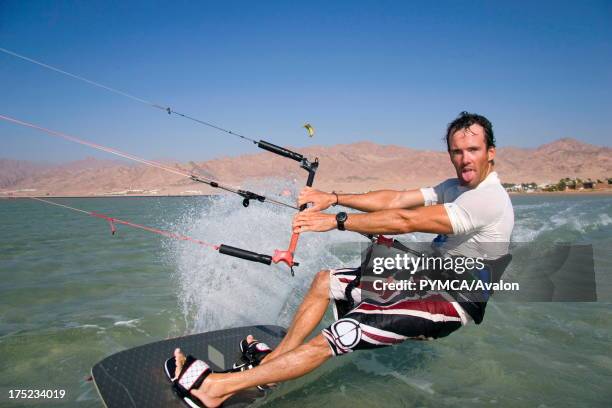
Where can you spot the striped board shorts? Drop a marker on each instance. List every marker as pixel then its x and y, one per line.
pixel 374 320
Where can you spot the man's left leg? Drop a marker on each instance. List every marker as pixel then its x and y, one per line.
pixel 218 387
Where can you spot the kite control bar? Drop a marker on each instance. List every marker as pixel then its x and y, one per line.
pixel 311 167
pixel 285 256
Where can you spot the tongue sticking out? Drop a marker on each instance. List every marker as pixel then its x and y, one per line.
pixel 468 175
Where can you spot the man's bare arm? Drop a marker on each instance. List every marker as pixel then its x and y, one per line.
pixel 433 219
pixel 367 202
pixel 382 200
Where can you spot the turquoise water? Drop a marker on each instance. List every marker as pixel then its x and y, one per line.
pixel 72 294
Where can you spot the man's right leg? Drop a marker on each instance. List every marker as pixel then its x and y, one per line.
pixel 307 317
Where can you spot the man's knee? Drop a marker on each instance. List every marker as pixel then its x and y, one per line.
pixel 318 345
pixel 320 283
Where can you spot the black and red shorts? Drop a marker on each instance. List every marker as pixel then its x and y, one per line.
pixel 372 320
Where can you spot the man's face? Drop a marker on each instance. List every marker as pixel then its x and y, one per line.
pixel 470 156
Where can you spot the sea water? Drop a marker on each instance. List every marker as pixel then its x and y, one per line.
pixel 71 294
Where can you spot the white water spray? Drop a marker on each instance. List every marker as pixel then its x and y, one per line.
pixel 217 291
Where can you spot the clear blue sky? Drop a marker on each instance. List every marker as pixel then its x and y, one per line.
pixel 389 72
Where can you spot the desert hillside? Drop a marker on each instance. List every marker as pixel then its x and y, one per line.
pixel 354 167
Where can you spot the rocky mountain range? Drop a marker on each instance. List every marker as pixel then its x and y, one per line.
pixel 353 167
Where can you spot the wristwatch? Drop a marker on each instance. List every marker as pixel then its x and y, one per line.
pixel 341 218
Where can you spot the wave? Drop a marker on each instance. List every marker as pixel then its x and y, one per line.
pixel 561 222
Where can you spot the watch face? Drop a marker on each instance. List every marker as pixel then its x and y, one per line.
pixel 341 216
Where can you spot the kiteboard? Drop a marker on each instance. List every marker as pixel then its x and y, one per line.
pixel 138 377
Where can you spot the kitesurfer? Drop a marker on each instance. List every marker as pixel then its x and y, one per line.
pixel 467 213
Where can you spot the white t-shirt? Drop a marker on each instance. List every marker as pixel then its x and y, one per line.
pixel 482 218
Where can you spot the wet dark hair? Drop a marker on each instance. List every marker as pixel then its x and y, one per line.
pixel 464 121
